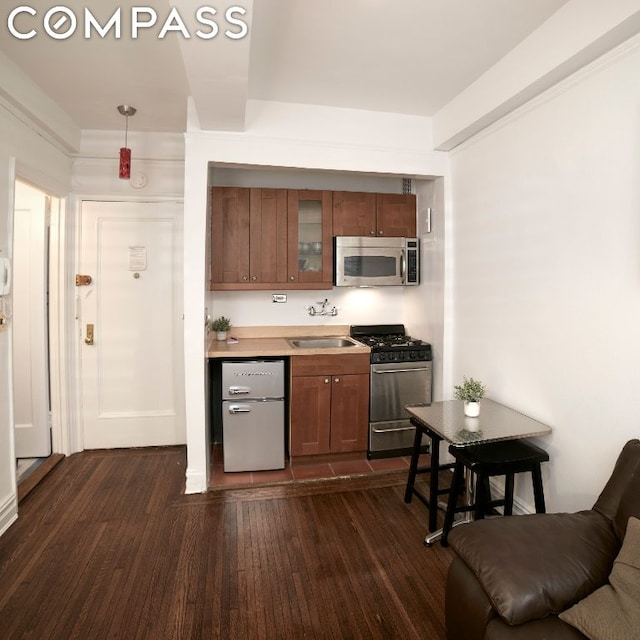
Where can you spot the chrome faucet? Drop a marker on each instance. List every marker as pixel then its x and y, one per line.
pixel 324 309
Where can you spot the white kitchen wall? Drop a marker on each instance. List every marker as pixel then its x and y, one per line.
pixel 425 306
pixel 546 255
pixel 355 306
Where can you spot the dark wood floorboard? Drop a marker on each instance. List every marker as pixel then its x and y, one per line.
pixel 36 476
pixel 107 546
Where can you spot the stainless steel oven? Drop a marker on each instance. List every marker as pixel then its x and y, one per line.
pixel 401 374
pixel 394 385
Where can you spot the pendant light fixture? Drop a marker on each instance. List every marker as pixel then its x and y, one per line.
pixel 125 153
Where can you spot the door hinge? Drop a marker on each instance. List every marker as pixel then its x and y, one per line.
pixel 82 281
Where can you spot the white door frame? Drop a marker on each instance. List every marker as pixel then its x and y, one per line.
pixel 61 313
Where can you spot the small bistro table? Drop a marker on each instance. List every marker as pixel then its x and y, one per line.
pixel 446 421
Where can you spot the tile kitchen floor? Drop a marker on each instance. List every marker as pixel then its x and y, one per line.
pixel 316 468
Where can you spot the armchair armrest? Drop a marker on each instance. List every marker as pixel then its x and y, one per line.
pixel 533 565
pixel 468 610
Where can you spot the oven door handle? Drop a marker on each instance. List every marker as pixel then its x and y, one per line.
pixel 391 430
pixel 399 370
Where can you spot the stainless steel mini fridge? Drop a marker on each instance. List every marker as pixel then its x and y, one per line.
pixel 253 415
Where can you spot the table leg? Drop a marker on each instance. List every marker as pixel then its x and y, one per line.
pixel 434 481
pixel 467 515
pixel 413 467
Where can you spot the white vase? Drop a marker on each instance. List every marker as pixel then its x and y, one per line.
pixel 471 409
pixel 221 335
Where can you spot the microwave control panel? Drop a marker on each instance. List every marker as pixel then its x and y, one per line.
pixel 412 262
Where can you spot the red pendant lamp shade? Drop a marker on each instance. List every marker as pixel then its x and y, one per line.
pixel 125 153
pixel 125 163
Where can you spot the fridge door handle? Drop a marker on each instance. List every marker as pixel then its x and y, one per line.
pixel 239 408
pixel 236 390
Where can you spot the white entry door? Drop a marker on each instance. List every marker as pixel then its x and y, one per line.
pixel 30 343
pixel 130 319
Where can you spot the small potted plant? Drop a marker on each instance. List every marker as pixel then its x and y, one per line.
pixel 471 392
pixel 221 326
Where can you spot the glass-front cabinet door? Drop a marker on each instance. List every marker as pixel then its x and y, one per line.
pixel 310 236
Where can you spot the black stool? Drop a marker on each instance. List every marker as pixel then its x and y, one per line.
pixel 430 501
pixel 501 458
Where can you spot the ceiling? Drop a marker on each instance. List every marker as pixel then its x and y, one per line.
pixel 408 57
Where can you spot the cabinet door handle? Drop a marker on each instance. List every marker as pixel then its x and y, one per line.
pixel 336 379
pixel 326 380
pixel 245 278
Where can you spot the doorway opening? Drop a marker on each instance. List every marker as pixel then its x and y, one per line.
pixel 30 330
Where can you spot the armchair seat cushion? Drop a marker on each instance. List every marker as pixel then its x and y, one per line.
pixel 534 565
pixel 613 610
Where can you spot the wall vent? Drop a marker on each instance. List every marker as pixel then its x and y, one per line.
pixel 407 185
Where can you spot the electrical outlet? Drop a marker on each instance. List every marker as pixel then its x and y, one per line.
pixel 279 297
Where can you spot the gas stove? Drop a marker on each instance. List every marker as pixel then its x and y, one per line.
pixel 389 343
pixel 401 371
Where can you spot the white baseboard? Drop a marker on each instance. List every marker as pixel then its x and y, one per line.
pixel 196 482
pixel 8 512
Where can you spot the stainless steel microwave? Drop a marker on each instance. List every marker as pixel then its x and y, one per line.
pixel 371 262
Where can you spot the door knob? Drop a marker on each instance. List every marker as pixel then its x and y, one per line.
pixel 89 335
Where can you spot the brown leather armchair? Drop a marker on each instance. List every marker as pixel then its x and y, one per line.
pixel 513 575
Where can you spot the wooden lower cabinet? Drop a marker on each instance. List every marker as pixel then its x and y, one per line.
pixel 330 410
pixel 310 411
pixel 349 413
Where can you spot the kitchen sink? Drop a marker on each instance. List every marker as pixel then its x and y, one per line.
pixel 321 343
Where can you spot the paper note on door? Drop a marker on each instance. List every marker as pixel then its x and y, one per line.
pixel 137 258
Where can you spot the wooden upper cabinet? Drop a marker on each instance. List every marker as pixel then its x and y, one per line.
pixel 374 214
pixel 263 238
pixel 229 234
pixel 310 244
pixel 268 236
pixel 354 213
pixel 396 214
pixel 248 237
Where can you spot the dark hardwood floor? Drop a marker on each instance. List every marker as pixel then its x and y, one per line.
pixel 107 546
